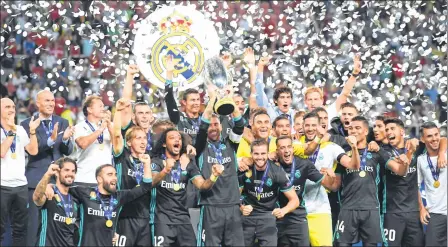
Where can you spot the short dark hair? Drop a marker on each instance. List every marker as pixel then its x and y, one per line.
pixel 348 104
pixel 380 118
pixel 61 161
pixel 163 122
pixel 257 143
pixel 319 109
pixel 260 113
pixel 140 103
pixel 394 121
pixel 100 168
pixel 282 138
pixel 311 115
pixel 188 92
pixel 88 102
pixel 280 90
pixel 280 117
pixel 361 119
pixel 427 125
pixel 256 111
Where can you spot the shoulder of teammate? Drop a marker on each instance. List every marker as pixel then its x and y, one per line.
pixel 279 175
pixel 157 164
pixel 243 149
pixel 80 191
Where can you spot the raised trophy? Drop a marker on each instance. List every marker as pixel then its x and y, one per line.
pixel 215 73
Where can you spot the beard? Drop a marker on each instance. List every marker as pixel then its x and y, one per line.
pixel 107 187
pixel 64 181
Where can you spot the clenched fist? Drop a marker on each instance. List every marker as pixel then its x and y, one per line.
pixel 217 170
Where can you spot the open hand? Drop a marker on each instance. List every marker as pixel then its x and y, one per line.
pixel 54 134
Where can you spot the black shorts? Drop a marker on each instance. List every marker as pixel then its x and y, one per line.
pixel 356 225
pixel 220 225
pixel 262 228
pixel 293 234
pixel 173 235
pixel 436 230
pixel 403 229
pixel 134 232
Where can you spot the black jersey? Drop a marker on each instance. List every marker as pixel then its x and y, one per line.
pixel 169 196
pixel 96 210
pixel 225 191
pixel 262 194
pixel 298 172
pixel 400 193
pixel 185 124
pixel 129 172
pixel 227 125
pixel 360 187
pixel 58 224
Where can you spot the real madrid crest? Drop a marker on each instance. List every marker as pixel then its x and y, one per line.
pixel 179 31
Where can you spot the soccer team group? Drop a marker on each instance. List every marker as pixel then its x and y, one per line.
pixel 264 175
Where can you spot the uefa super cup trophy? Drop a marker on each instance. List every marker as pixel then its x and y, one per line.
pixel 215 73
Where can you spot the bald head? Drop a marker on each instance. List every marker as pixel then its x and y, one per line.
pixel 8 108
pixel 45 102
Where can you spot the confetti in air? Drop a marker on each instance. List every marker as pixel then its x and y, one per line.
pixel 402 44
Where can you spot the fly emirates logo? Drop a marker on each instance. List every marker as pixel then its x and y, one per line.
pixel 167 185
pixel 100 212
pixel 212 160
pixel 61 218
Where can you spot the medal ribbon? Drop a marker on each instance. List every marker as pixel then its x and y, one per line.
pixel 363 160
pixel 259 189
pixel 341 130
pixel 149 144
pixel 293 171
pixel 175 174
pixel 196 124
pixel 138 170
pixel 218 152
pixel 313 157
pixel 13 144
pixel 48 130
pixel 108 212
pixel 100 137
pixel 435 172
pixel 67 206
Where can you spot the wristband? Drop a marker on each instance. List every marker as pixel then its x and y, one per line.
pixel 213 178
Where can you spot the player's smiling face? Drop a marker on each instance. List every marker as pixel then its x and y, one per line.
pixel 193 103
pixel 214 129
pixel 394 134
pixel 431 137
pixel 261 126
pixel 358 130
pixel 284 102
pixel 138 142
pixel 285 150
pixel 173 142
pixel 323 118
pixel 67 174
pixel 379 130
pixel 310 127
pixel 108 179
pixel 143 116
pixel 283 128
pixel 298 125
pixel 260 155
pixel 239 102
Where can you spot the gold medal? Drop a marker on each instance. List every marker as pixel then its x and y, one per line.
pixel 68 220
pixel 109 223
pixel 138 185
pixel 14 156
pixel 436 184
pixel 176 187
pixel 249 173
pixel 58 199
pixel 93 195
pixel 102 146
pixel 258 196
pixel 362 174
